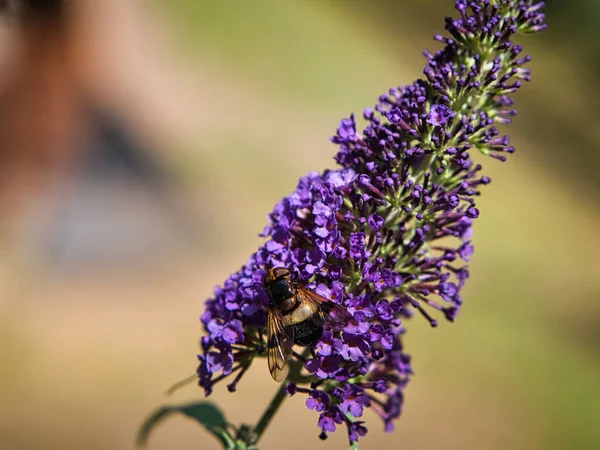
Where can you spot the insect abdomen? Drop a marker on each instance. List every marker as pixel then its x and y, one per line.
pixel 307 333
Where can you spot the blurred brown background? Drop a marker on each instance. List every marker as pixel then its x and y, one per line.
pixel 143 144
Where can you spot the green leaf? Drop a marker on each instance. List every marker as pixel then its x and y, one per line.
pixel 354 445
pixel 204 412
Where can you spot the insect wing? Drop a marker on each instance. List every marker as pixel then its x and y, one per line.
pixel 329 312
pixel 279 346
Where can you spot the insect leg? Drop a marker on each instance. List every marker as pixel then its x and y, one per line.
pixel 299 357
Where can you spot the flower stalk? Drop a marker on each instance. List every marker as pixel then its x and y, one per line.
pixel 277 400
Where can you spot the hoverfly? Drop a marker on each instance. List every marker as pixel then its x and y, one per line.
pixel 296 316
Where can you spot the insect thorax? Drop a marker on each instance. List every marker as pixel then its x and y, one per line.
pixel 280 290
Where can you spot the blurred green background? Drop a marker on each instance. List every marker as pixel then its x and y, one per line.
pixel 245 96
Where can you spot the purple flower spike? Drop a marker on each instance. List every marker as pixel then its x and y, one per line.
pixel 387 235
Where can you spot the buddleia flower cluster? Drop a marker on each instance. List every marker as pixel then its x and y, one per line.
pixel 387 234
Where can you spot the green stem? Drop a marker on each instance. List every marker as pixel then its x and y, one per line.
pixel 269 413
pixel 280 395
